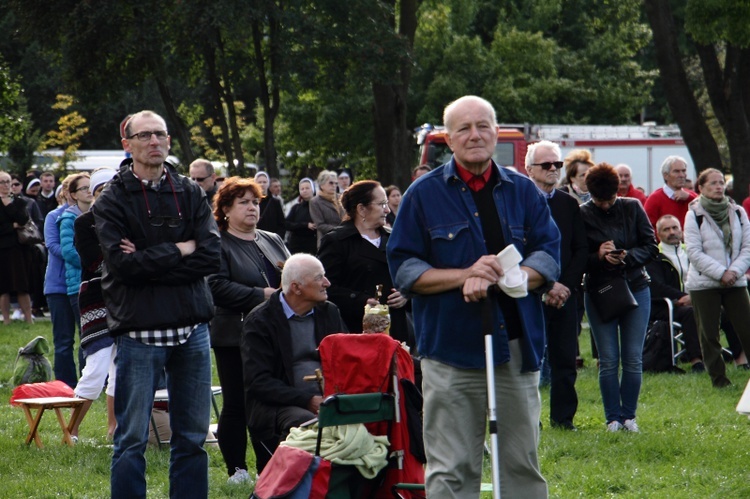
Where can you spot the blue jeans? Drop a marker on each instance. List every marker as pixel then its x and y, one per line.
pixel 64 337
pixel 620 396
pixel 77 313
pixel 188 369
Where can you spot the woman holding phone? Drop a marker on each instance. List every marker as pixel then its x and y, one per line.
pixel 621 242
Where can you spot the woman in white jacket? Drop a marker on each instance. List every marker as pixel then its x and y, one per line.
pixel 717 234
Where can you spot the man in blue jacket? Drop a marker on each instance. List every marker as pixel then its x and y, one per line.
pixel 451 223
pixel 160 242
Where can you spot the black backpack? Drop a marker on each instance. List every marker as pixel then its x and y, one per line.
pixel 657 351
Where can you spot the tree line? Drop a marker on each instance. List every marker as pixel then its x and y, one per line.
pixel 308 84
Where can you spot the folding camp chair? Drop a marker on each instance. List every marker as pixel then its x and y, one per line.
pixel 675 330
pixel 365 376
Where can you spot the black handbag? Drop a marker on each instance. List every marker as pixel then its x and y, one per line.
pixel 612 298
pixel 29 234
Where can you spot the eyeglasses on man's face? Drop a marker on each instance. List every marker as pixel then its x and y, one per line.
pixel 5 182
pixel 15 184
pixel 145 136
pixel 198 179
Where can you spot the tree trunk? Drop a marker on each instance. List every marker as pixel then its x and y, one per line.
pixel 269 92
pixel 682 102
pixel 216 100
pixel 178 127
pixel 392 136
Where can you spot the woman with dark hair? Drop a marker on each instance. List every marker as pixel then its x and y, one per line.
pixel 577 163
pixel 717 235
pixel 15 258
pixel 394 201
pixel 353 255
pixel 303 237
pixel 621 242
pixel 251 262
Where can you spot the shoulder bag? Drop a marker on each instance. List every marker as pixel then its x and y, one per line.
pixel 29 234
pixel 612 297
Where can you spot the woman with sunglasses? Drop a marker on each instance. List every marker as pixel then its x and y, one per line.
pixel 80 193
pixel 15 258
pixel 325 209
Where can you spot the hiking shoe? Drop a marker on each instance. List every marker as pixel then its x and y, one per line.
pixel 614 426
pixel 631 425
pixel 240 477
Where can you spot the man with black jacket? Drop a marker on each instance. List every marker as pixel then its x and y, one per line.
pixel 668 273
pixel 279 347
pixel 159 241
pixel 560 312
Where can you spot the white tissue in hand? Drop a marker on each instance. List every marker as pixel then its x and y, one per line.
pixel 514 282
pixel 509 257
pixel 513 277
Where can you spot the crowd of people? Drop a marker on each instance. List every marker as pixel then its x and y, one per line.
pixel 155 269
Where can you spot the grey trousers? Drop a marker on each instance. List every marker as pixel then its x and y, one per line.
pixel 455 426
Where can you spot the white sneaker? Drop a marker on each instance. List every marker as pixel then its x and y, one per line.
pixel 631 425
pixel 17 315
pixel 240 477
pixel 614 426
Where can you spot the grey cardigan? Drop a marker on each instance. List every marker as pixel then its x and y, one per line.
pixel 325 216
pixel 238 286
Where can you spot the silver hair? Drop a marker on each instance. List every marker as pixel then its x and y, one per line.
pixel 327 175
pixel 623 165
pixel 297 268
pixel 666 166
pixel 542 144
pixel 450 108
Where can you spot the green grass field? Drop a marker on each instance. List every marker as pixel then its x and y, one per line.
pixel 692 443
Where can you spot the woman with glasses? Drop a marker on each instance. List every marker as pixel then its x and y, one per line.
pixel 251 263
pixel 353 255
pixel 325 209
pixel 80 194
pixel 621 242
pixel 15 258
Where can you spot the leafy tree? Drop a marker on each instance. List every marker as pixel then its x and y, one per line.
pixel 10 92
pixel 71 128
pixel 718 31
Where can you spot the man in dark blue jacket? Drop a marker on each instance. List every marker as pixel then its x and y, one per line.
pixel 442 252
pixel 159 241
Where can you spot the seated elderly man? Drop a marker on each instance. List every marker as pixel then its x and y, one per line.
pixel 668 273
pixel 279 348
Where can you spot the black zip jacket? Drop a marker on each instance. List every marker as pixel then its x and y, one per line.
pixel 155 287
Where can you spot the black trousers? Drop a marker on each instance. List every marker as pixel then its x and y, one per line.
pixel 232 432
pixel 562 348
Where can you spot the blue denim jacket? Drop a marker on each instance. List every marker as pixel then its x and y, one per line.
pixel 438 227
